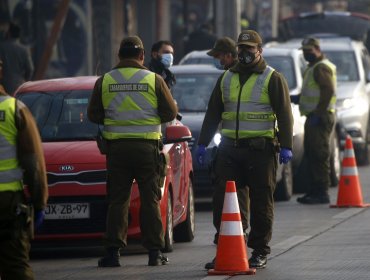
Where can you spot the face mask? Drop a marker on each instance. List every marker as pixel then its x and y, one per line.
pixel 167 60
pixel 246 57
pixel 218 64
pixel 310 57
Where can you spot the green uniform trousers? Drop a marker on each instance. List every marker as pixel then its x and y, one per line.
pixel 129 159
pixel 14 240
pixel 317 153
pixel 253 168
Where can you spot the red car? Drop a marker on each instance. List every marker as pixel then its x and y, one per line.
pixel 76 170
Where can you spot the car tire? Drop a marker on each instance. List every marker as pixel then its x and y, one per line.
pixel 168 236
pixel 184 232
pixel 284 188
pixel 362 151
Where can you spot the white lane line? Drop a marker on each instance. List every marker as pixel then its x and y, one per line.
pixel 291 241
pixel 348 213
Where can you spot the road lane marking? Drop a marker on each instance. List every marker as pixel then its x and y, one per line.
pixel 348 213
pixel 291 241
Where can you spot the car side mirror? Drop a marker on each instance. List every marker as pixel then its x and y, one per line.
pixel 176 134
pixel 294 99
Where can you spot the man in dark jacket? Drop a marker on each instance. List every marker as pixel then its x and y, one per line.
pixel 133 151
pixel 248 101
pixel 161 60
pixel 224 51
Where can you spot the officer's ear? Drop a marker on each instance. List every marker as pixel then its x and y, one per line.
pixel 142 55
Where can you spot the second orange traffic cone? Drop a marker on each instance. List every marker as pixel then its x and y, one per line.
pixel 349 190
pixel 231 257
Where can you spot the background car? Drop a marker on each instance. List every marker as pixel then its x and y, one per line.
pixel 192 91
pixel 76 170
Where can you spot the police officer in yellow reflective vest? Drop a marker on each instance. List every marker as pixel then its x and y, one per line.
pixel 132 102
pixel 251 101
pixel 317 103
pixel 21 160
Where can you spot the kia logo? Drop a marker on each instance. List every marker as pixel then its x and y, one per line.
pixel 66 168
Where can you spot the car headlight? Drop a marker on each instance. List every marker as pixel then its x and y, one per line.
pixel 359 104
pixel 348 103
pixel 217 138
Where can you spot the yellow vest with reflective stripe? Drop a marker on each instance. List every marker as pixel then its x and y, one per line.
pixel 130 104
pixel 10 171
pixel 255 116
pixel 310 95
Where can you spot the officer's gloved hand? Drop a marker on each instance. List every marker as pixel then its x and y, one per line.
pixel 285 155
pixel 39 218
pixel 201 154
pixel 313 119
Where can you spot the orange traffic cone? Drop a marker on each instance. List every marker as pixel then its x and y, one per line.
pixel 231 256
pixel 349 190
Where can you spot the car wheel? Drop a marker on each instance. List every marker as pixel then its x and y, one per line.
pixel 184 232
pixel 284 188
pixel 335 161
pixel 362 151
pixel 168 236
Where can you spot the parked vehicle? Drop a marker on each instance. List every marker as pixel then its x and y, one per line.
pixel 76 170
pixel 192 91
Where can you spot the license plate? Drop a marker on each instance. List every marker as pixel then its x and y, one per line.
pixel 66 211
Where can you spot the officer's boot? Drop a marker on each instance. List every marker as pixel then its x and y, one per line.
pixel 157 258
pixel 111 259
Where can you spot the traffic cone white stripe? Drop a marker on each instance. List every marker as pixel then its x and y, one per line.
pixel 230 203
pixel 349 171
pixel 231 228
pixel 349 153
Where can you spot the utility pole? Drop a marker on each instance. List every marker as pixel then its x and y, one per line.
pixel 227 19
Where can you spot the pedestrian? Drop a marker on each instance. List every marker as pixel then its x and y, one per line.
pixel 225 53
pixel 201 38
pixel 317 103
pixel 161 60
pixel 252 105
pixel 21 161
pixel 17 61
pixel 132 102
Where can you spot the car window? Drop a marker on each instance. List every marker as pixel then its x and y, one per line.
pixel 366 62
pixel 61 116
pixel 345 61
pixel 284 65
pixel 192 91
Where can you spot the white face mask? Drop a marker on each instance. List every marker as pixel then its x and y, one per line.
pixel 167 60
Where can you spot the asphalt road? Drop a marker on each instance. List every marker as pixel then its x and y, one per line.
pixel 309 242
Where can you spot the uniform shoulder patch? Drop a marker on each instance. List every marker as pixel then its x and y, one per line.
pixel 2 116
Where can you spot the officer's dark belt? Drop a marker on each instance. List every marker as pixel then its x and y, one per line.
pixel 243 143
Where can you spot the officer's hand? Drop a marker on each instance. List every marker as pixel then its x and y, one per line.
pixel 313 119
pixel 39 218
pixel 285 155
pixel 201 154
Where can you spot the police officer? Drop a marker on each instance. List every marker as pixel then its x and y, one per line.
pixel 161 60
pixel 249 100
pixel 225 53
pixel 132 102
pixel 21 159
pixel 317 103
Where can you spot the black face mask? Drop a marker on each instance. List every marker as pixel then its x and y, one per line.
pixel 310 57
pixel 246 57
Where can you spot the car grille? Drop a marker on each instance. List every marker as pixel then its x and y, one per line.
pixel 95 224
pixel 83 178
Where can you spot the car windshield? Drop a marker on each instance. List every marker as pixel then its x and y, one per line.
pixel 192 91
pixel 61 116
pixel 345 61
pixel 285 66
pixel 200 60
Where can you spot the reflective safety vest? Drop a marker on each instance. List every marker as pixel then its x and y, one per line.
pixel 254 116
pixel 10 171
pixel 310 95
pixel 130 105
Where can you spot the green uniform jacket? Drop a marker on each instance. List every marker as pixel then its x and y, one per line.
pixel 167 108
pixel 279 98
pixel 30 156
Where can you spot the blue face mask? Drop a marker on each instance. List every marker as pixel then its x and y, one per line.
pixel 167 60
pixel 218 64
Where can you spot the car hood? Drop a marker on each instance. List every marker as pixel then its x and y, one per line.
pixel 79 152
pixel 347 89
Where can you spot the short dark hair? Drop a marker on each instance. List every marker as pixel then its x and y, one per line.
pixel 129 53
pixel 156 46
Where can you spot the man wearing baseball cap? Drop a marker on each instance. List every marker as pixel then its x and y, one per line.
pixel 134 140
pixel 224 51
pixel 250 103
pixel 317 102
